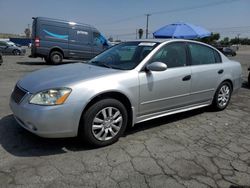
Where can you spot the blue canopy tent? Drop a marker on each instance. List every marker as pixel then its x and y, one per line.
pixel 181 30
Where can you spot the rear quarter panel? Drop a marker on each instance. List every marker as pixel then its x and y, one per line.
pixel 233 72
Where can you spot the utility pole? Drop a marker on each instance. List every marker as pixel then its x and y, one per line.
pixel 238 35
pixel 147 25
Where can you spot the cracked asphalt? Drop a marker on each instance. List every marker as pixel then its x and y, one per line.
pixel 200 148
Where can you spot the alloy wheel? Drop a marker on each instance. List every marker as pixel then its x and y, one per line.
pixel 223 95
pixel 107 123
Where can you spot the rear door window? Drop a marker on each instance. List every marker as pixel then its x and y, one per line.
pixel 202 55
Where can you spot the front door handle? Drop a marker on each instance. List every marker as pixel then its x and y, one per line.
pixel 220 71
pixel 186 78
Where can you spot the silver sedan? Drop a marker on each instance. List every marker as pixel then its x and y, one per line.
pixel 129 83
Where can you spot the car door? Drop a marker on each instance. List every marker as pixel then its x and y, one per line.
pixel 206 70
pixel 80 42
pixel 169 89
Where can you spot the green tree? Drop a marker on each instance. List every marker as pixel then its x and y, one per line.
pixel 225 41
pixel 211 39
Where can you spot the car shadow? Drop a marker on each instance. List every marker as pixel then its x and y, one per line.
pixel 19 142
pixel 245 85
pixel 165 120
pixel 34 63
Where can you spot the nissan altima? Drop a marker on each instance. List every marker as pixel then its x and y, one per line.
pixel 129 83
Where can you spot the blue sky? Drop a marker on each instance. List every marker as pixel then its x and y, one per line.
pixel 120 19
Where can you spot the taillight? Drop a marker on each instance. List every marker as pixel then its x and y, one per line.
pixel 37 42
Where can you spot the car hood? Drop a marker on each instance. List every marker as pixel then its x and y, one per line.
pixel 62 76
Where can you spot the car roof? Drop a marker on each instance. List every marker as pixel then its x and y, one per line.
pixel 164 40
pixel 149 40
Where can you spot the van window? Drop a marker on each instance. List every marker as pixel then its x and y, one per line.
pixel 80 36
pixel 99 40
pixel 54 32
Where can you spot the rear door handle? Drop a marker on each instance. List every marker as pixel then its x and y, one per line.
pixel 220 71
pixel 186 78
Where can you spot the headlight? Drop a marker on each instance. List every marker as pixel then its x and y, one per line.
pixel 51 96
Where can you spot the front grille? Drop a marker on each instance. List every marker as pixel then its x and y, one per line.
pixel 18 94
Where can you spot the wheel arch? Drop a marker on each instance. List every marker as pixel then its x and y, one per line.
pixel 113 95
pixel 56 48
pixel 230 82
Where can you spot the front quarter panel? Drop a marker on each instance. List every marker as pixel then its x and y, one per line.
pixel 125 83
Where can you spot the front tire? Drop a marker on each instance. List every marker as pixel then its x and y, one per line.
pixel 103 122
pixel 222 96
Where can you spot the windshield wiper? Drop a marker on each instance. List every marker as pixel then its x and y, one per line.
pixel 100 63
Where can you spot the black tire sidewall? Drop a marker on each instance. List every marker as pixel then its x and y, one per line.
pixel 85 130
pixel 53 54
pixel 215 102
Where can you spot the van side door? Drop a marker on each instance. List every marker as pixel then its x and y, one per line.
pixel 80 42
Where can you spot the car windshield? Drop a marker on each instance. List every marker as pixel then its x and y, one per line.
pixel 124 56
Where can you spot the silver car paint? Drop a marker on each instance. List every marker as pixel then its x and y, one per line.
pixel 148 98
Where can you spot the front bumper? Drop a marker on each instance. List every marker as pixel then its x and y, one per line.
pixel 46 121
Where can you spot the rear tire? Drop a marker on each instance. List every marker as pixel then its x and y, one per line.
pixel 222 96
pixel 103 122
pixel 56 57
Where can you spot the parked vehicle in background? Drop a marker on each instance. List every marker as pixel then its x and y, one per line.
pixel 55 40
pixel 228 51
pixel 10 49
pixel 128 83
pixel 1 59
pixel 13 44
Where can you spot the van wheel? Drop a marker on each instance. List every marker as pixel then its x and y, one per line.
pixel 222 96
pixel 104 122
pixel 56 57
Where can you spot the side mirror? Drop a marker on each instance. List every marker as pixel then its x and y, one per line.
pixel 156 66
